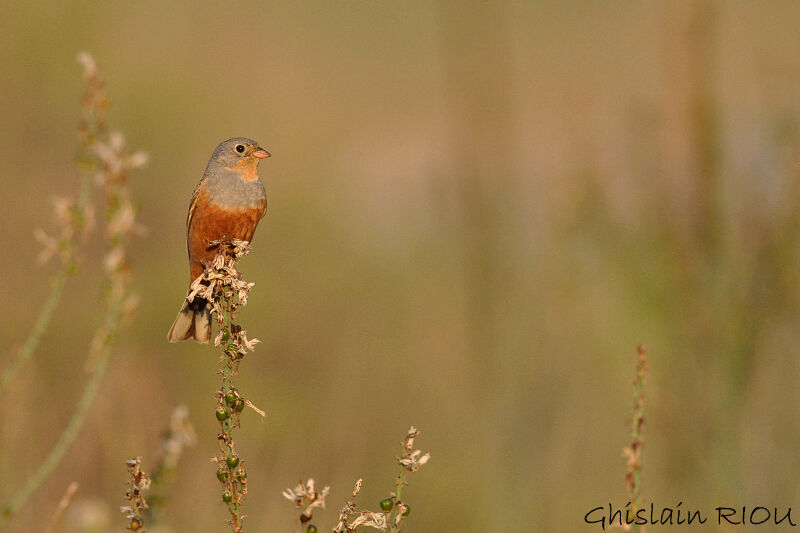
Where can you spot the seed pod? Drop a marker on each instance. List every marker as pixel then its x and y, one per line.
pixel 386 504
pixel 230 398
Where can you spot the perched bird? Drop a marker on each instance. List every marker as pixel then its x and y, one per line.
pixel 228 202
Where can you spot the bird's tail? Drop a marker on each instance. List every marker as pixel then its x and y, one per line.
pixel 193 322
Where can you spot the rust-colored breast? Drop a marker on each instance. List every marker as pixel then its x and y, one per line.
pixel 209 222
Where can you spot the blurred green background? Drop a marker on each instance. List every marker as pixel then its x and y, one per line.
pixel 477 210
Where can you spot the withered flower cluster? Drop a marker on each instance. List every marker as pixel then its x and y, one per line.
pixel 139 482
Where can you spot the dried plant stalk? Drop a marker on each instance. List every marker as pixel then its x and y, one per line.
pixel 393 510
pixel 180 435
pixel 111 160
pixel 223 287
pixel 137 505
pixel 74 217
pixel 633 453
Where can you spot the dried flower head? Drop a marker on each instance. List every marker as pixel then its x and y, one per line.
pixel 401 512
pixel 75 221
pixel 139 482
pixel 394 510
pixel 221 279
pixel 369 519
pixel 114 157
pixel 412 459
pixel 89 65
pixel 306 498
pixel 223 287
pixel 348 509
pixel 181 434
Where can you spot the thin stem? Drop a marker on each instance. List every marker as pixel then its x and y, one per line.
pixel 398 493
pixel 634 452
pixel 78 417
pixel 179 436
pixel 234 506
pixel 55 520
pixel 227 441
pixel 66 270
pixel 233 473
pixel 42 321
pixel 401 481
pixel 91 125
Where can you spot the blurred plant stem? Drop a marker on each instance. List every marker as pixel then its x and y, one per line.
pixel 485 181
pixel 75 221
pixel 633 453
pixel 100 357
pixel 58 515
pixel 180 435
pixel 119 223
pixel 39 327
pixel 70 432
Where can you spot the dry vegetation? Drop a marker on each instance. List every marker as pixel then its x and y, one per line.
pixel 475 209
pixel 104 161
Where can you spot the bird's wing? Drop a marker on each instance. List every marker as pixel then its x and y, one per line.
pixel 192 206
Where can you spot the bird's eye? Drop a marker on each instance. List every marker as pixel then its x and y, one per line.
pixel 240 148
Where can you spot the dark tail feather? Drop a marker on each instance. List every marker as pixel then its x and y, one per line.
pixel 193 322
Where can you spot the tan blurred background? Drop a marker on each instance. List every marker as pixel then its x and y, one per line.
pixel 477 210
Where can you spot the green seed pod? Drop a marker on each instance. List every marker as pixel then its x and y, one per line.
pixel 225 336
pixel 226 497
pixel 136 524
pixel 386 504
pixel 406 511
pixel 222 475
pixel 241 477
pixel 222 413
pixel 230 398
pixel 311 528
pixel 231 348
pixel 233 461
pixel 238 406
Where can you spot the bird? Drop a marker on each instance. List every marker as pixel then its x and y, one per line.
pixel 228 202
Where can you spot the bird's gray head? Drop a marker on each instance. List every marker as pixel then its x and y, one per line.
pixel 236 153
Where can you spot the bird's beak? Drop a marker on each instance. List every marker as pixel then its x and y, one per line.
pixel 261 153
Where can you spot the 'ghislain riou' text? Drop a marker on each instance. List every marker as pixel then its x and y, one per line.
pixel 756 516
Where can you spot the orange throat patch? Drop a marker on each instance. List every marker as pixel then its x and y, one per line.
pixel 247 168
